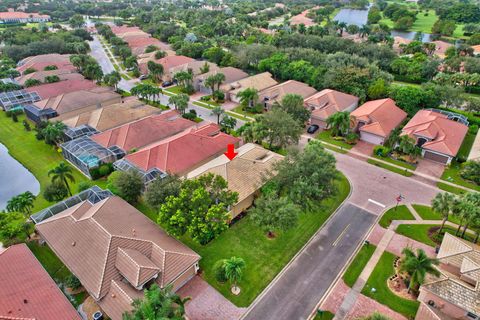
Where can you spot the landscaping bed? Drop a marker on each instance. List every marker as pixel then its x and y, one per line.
pixel 399 213
pixel 358 264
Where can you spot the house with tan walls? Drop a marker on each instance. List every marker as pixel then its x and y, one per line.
pixel 231 75
pixel 258 82
pixel 275 94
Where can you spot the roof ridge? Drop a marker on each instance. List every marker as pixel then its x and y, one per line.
pixel 121 290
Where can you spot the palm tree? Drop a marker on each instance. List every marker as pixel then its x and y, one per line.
pixel 211 82
pixel 364 30
pixel 158 304
pixel 248 97
pixel 184 78
pixel 62 174
pixel 339 123
pixel 471 208
pixel 233 270
pixel 342 26
pixel 21 203
pixel 180 102
pixel 155 69
pixel 442 203
pixel 112 79
pixel 219 79
pixel 218 111
pixel 417 266
pixel 53 132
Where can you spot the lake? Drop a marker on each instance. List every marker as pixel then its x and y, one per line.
pixel 359 17
pixel 14 178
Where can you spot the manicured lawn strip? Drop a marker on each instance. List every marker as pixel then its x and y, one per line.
pixel 357 265
pixel 264 257
pixel 378 280
pixel 203 105
pixel 400 213
pixel 427 213
pixel 449 188
pixel 239 109
pixel 326 137
pixel 35 155
pixel 52 264
pixel 452 174
pixel 175 90
pixel 390 168
pixel 339 150
pixel 419 232
pixel 466 146
pixel 396 162
pixel 325 315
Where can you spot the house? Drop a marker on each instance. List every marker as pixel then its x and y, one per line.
pixel 231 75
pixel 258 82
pixel 303 19
pixel 168 63
pixel 54 89
pixel 62 74
pixel 38 63
pixel 475 151
pixel 178 154
pixel 26 289
pixel 441 48
pixel 327 102
pixel 476 49
pixel 116 251
pixel 456 293
pixel 276 93
pixel 110 116
pixel 399 42
pixel 22 17
pixel 195 67
pixel 88 152
pixel 376 119
pixel 73 103
pixel 245 174
pixel 439 136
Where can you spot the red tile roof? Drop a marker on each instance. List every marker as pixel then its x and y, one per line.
pixel 328 101
pixel 21 15
pixel 446 135
pixel 49 90
pixel 27 291
pixel 183 152
pixel 380 116
pixel 143 132
pixel 61 61
pixel 167 63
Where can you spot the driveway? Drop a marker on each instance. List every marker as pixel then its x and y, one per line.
pixel 297 291
pixel 431 168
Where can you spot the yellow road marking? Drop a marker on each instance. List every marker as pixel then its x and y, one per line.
pixel 340 236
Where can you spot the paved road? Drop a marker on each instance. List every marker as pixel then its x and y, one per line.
pixel 297 291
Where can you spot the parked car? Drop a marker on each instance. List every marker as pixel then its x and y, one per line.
pixel 167 83
pixel 313 128
pixel 143 77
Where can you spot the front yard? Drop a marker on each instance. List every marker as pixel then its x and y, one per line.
pixel 425 234
pixel 358 264
pixel 403 172
pixel 327 137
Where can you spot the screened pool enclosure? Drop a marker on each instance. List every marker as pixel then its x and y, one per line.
pixel 148 176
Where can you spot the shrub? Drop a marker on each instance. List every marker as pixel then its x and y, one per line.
pixel 381 151
pixel 351 138
pixel 14 117
pixel 29 70
pixel 258 108
pixel 84 185
pixel 189 116
pixel 105 169
pixel 50 67
pixel 32 82
pixel 72 282
pixel 205 98
pixel 55 192
pixel 219 95
pixel 471 171
pixel 473 129
pixel 26 125
pixel 112 180
pixel 219 271
pixel 52 79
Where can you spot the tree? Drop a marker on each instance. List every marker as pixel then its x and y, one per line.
pixel 471 210
pixel 278 128
pixel 129 185
pixel 248 97
pixel 417 266
pixel 339 123
pixel 293 105
pixel 444 27
pixel 62 174
pixel 32 82
pixel 274 214
pixel 185 79
pixel 217 111
pixel 53 132
pixel 22 203
pixel 76 21
pixel 55 192
pixel 234 271
pixel 156 70
pixel 227 124
pixel 306 176
pixel 471 171
pixel 157 304
pixel 406 145
pixel 180 102
pixel 112 79
pixel 93 71
pixel 160 189
pixel 442 203
pixel 404 23
pixel 13 228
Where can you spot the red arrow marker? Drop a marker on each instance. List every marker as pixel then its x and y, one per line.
pixel 231 151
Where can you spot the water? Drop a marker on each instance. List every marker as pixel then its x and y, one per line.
pixel 359 17
pixel 14 178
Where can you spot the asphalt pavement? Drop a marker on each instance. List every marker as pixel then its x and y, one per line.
pixel 296 292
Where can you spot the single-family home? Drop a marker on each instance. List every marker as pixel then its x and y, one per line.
pixel 258 82
pixel 88 152
pixel 276 93
pixel 40 62
pixel 437 133
pixel 62 74
pixel 22 17
pixel 327 102
pixel 231 75
pixel 110 116
pixel 26 289
pixel 168 63
pixel 456 293
pixel 115 251
pixel 54 89
pixel 196 67
pixel 375 120
pixel 245 174
pixel 178 154
pixel 72 103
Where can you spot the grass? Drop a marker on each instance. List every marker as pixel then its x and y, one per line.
pixel 175 90
pixel 35 155
pixel 326 137
pixel 424 23
pixel 396 162
pixel 427 213
pixel 385 166
pixel 324 315
pixel 419 232
pixel 52 264
pixel 466 146
pixel 449 188
pixel 378 280
pixel 399 213
pixel 239 109
pixel 264 257
pixel 339 150
pixel 358 264
pixel 452 174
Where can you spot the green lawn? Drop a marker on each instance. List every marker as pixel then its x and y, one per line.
pixel 358 263
pixel 452 174
pixel 385 166
pixel 339 150
pixel 396 162
pixel 378 280
pixel 35 155
pixel 175 89
pixel 466 145
pixel 399 213
pixel 324 315
pixel 239 109
pixel 264 257
pixel 427 213
pixel 449 188
pixel 326 137
pixel 424 23
pixel 419 233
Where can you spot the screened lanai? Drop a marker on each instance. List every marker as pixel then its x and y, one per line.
pixel 148 176
pixel 17 99
pixel 86 154
pixel 80 131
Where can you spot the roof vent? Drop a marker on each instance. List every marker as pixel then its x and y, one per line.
pixel 213 134
pixel 134 233
pixel 262 157
pixel 73 244
pixel 25 301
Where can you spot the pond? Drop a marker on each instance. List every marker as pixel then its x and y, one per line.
pixel 359 17
pixel 14 178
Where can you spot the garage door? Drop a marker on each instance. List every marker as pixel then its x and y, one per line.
pixel 435 157
pixel 371 138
